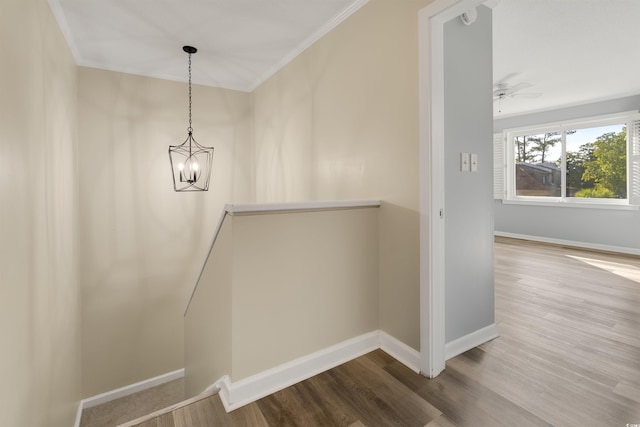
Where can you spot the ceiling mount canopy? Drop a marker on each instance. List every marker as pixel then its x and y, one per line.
pixel 190 161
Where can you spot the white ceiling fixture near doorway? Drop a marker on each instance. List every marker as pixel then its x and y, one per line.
pixel 240 43
pixel 571 51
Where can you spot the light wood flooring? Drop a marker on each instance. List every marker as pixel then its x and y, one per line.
pixel 568 355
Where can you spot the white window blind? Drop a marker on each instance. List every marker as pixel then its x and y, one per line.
pixel 498 166
pixel 634 162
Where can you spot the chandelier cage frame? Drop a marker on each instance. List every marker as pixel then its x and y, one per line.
pixel 190 161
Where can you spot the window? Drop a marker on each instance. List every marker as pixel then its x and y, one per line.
pixel 592 161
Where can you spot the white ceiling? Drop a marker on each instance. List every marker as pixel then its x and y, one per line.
pixel 571 51
pixel 240 43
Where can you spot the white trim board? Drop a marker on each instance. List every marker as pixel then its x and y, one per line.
pixel 78 415
pixel 312 205
pixel 237 394
pixel 403 353
pixel 206 258
pixel 469 341
pixel 99 399
pixel 572 243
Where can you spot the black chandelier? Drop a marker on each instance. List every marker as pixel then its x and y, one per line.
pixel 190 161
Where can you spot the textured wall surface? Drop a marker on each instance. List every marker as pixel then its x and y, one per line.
pixel 39 295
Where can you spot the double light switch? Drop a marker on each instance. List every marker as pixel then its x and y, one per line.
pixel 469 162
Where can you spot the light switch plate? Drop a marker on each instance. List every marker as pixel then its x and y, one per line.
pixel 464 162
pixel 474 162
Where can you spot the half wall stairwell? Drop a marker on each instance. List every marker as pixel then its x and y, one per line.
pixel 282 282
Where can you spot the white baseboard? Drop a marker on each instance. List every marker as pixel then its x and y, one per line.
pixel 400 351
pixel 224 384
pixel 467 342
pixel 257 386
pixel 78 415
pixel 125 391
pixel 248 390
pixel 585 245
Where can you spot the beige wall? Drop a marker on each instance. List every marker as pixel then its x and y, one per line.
pixel 207 321
pixel 341 122
pixel 142 244
pixel 301 282
pixel 338 122
pixel 279 286
pixel 39 296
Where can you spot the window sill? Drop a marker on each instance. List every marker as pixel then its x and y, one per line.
pixel 571 204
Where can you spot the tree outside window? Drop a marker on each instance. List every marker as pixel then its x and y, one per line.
pixel 595 165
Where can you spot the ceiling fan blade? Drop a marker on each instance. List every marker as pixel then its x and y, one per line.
pixel 518 86
pixel 529 95
pixel 503 81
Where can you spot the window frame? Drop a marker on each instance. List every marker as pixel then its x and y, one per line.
pixel 505 164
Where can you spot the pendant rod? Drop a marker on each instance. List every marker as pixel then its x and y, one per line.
pixel 190 50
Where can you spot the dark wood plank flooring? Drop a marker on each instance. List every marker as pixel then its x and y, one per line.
pixel 568 355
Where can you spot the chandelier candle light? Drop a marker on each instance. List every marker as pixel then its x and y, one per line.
pixel 190 161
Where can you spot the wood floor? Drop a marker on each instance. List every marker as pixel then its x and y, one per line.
pixel 568 355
